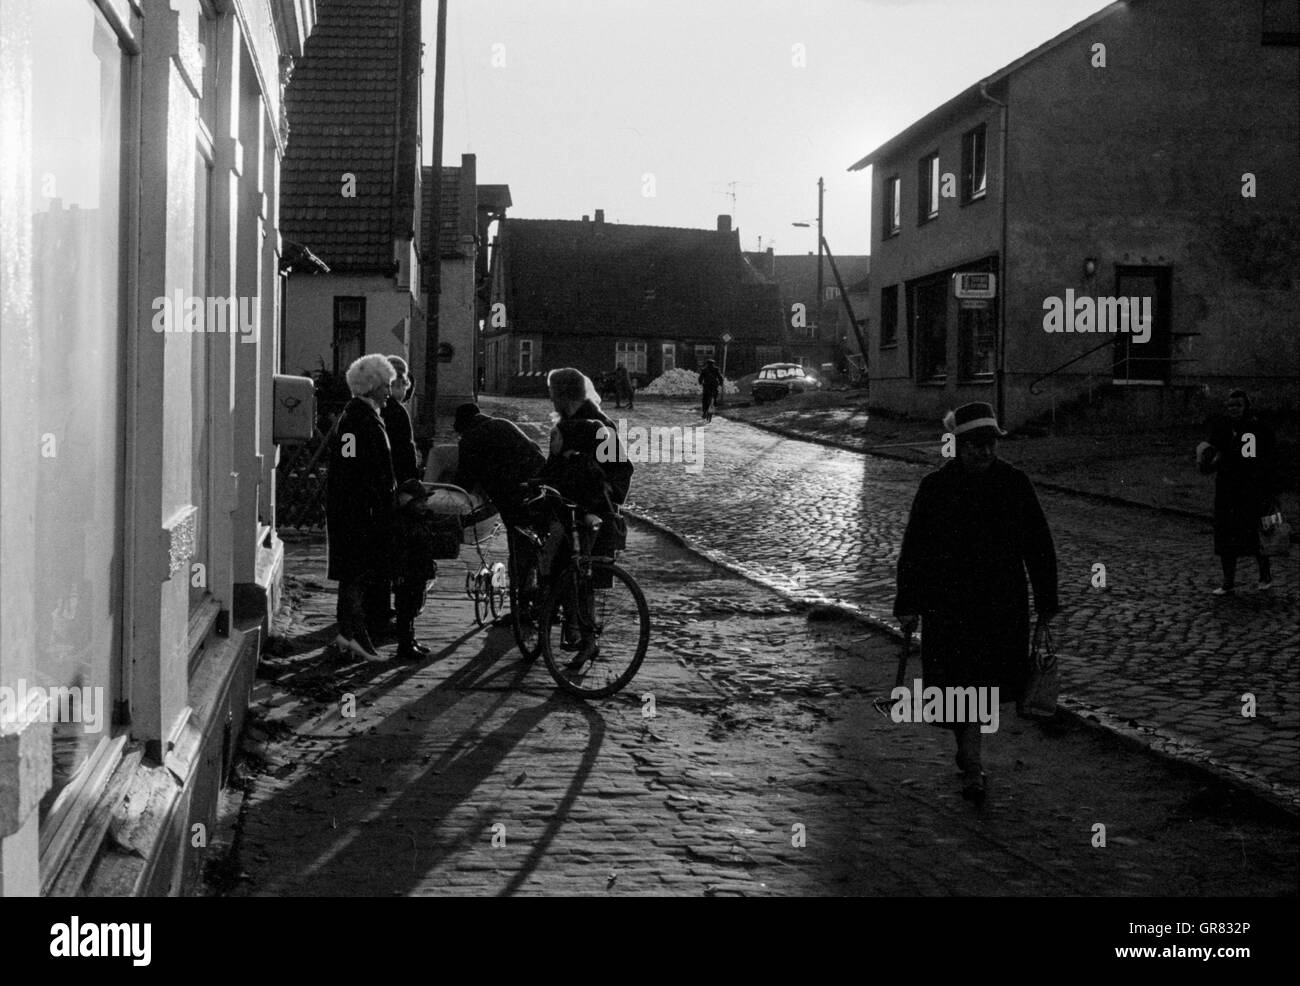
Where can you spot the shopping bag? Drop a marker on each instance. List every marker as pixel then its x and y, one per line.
pixel 1044 684
pixel 1274 536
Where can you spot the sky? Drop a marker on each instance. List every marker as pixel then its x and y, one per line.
pixel 658 111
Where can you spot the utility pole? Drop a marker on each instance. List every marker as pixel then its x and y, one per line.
pixel 433 263
pixel 821 238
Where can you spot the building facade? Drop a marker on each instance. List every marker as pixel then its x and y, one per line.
pixel 598 295
pixel 139 562
pixel 812 334
pixel 1151 152
pixel 352 190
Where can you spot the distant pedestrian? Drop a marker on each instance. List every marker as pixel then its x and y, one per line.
pixel 1240 451
pixel 711 380
pixel 623 389
pixel 974 529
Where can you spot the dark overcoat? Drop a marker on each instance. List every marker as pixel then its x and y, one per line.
pixel 970 539
pixel 397 422
pixel 1244 486
pixel 359 495
pixel 496 456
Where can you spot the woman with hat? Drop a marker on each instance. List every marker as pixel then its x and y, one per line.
pixel 974 531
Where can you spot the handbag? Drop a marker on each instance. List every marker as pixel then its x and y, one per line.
pixel 1044 684
pixel 1274 536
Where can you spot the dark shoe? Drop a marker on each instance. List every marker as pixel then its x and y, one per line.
pixel 413 650
pixel 973 790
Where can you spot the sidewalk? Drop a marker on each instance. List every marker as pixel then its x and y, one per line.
pixel 763 770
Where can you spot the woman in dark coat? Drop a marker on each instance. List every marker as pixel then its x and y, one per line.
pixel 974 530
pixel 359 500
pixel 1241 452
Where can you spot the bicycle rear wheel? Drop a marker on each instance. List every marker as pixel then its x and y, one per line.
pixel 525 606
pixel 611 624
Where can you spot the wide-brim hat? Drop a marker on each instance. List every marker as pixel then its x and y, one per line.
pixel 464 415
pixel 973 420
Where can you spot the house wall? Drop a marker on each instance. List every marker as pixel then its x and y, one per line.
pixel 959 236
pixel 309 333
pixel 161 439
pixel 1138 163
pixel 457 326
pixel 1141 163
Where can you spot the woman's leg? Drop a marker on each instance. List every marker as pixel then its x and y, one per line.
pixel 1229 563
pixel 1265 569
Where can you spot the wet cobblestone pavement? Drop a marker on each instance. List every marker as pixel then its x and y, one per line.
pixel 1153 654
pixel 763 771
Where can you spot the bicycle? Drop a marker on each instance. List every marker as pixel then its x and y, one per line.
pixel 488 588
pixel 590 621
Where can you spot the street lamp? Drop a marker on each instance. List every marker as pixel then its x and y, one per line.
pixel 821 240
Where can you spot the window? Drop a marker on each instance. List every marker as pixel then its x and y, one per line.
pixel 705 353
pixel 200 417
pixel 927 189
pixel 976 339
pixel 928 309
pixel 525 356
pixel 893 212
pixel 830 292
pixel 974 170
pixel 632 355
pixel 1281 22
pixel 889 316
pixel 68 142
pixel 349 332
pixel 668 357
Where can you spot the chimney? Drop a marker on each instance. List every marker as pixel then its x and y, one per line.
pixel 586 219
pixel 771 263
pixel 724 224
pixel 600 216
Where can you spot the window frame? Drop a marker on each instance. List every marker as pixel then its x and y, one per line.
pixel 892 192
pixel 969 193
pixel 526 347
pixel 928 175
pixel 889 325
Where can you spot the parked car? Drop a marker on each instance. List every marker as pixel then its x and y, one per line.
pixel 777 380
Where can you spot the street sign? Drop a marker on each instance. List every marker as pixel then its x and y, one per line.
pixel 969 284
pixel 726 337
pixel 976 303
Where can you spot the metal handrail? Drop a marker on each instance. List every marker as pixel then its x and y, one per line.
pixel 1033 387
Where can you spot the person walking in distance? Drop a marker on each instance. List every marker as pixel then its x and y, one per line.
pixel 623 389
pixel 711 380
pixel 1240 451
pixel 974 530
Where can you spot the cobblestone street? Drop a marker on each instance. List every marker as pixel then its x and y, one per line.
pixel 1153 653
pixel 764 770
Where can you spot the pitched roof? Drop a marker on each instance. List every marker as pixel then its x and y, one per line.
pixel 971 97
pixel 796 273
pixel 596 277
pixel 352 105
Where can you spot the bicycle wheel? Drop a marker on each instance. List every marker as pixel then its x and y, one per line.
pixel 481 592
pixel 497 595
pixel 524 606
pixel 469 584
pixel 612 626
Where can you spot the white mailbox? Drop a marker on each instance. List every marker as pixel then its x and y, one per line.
pixel 294 416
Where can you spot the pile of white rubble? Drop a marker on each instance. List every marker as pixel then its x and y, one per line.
pixel 680 383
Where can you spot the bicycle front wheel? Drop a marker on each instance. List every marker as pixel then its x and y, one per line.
pixel 525 606
pixel 595 629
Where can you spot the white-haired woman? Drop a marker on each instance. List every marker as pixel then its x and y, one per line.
pixel 359 500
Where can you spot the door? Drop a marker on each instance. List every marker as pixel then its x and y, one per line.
pixel 1144 362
